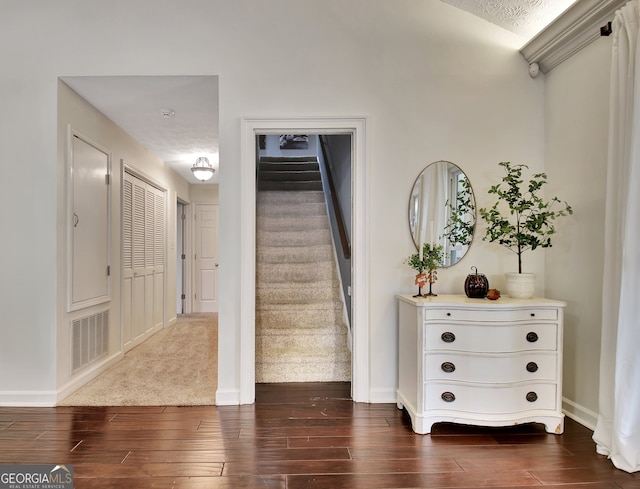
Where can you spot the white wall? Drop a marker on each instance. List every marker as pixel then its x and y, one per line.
pixel 204 194
pixel 434 83
pixel 577 118
pixel 73 110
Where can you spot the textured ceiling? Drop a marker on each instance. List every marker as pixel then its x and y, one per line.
pixel 524 17
pixel 137 105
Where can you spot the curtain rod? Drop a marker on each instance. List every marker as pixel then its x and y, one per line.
pixel 605 30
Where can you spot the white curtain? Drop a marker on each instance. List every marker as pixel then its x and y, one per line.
pixel 434 193
pixel 618 431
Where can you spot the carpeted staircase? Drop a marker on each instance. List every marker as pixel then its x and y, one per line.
pixel 301 335
pixel 290 173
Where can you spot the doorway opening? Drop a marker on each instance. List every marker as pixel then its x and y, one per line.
pixel 303 258
pixel 360 387
pixel 143 109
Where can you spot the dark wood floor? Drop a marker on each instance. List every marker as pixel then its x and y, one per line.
pixel 297 436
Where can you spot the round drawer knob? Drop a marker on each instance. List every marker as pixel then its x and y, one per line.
pixel 532 367
pixel 532 396
pixel 532 337
pixel 447 367
pixel 448 337
pixel 448 397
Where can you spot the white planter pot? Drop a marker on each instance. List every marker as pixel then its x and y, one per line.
pixel 520 285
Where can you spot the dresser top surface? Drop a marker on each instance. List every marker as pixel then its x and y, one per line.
pixel 462 300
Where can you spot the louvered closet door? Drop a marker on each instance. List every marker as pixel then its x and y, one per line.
pixel 127 259
pixel 144 237
pixel 159 240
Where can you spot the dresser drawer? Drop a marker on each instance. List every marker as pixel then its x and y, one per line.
pixel 491 368
pixel 489 399
pixel 491 315
pixel 491 338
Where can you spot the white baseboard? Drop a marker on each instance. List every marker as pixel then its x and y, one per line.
pixel 227 397
pixel 580 414
pixel 141 339
pixel 379 396
pixel 51 398
pixel 86 376
pixel 27 398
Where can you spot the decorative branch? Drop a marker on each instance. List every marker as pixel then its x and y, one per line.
pixel 528 221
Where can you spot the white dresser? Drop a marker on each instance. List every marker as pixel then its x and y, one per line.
pixel 480 362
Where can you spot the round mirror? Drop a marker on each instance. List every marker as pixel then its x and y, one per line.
pixel 442 210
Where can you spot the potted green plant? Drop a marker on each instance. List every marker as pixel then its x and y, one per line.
pixel 521 220
pixel 426 262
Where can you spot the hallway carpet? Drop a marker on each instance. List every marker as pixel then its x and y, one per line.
pixel 177 366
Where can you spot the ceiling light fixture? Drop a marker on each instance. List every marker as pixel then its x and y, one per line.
pixel 202 169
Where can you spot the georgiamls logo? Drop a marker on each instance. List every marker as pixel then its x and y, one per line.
pixel 36 476
pixel 61 467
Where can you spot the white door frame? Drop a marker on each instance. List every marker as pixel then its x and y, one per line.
pixel 186 250
pixel 356 127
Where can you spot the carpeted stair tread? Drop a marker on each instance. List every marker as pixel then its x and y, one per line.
pixel 289 175
pixel 293 238
pixel 291 209
pixel 292 223
pixel 310 305
pixel 292 287
pixel 281 173
pixel 295 297
pixel 268 166
pixel 294 272
pixel 272 325
pixel 281 197
pixel 288 159
pixel 300 318
pixel 279 294
pixel 291 186
pixel 314 371
pixel 299 315
pixel 335 329
pixel 294 254
pixel 302 354
pixel 323 342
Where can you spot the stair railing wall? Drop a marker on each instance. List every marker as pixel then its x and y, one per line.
pixel 258 154
pixel 335 199
pixel 336 218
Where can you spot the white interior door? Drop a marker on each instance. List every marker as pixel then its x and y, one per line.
pixel 144 238
pixel 89 260
pixel 206 258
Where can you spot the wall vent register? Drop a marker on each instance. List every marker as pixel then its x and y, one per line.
pixel 89 339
